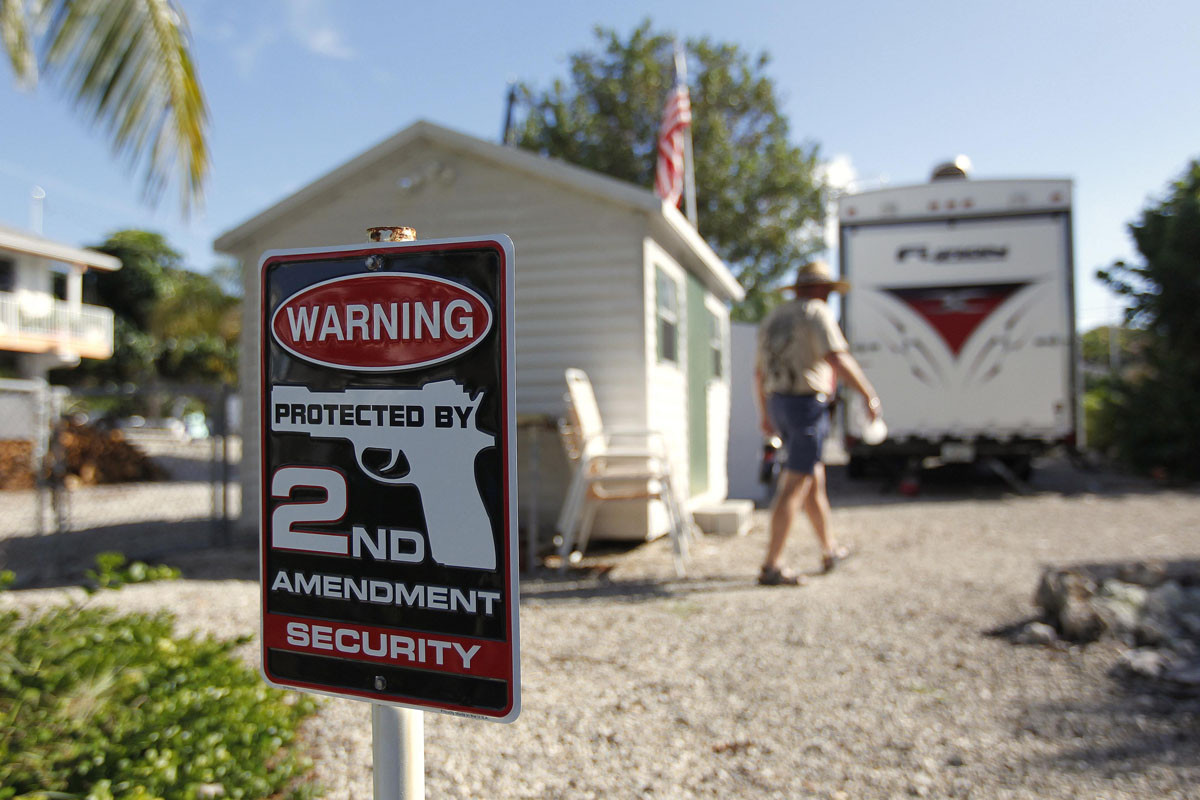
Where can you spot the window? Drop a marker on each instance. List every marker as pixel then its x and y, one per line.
pixel 58 285
pixel 8 275
pixel 666 305
pixel 716 344
pixel 89 291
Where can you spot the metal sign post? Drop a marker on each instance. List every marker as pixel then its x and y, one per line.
pixel 389 546
pixel 397 752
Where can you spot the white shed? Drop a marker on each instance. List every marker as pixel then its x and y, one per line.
pixel 608 279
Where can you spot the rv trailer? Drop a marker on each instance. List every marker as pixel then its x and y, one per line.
pixel 961 311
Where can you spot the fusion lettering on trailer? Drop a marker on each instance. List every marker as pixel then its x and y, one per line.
pixel 388 540
pixel 952 255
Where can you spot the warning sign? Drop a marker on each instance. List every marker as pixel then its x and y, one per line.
pixel 388 482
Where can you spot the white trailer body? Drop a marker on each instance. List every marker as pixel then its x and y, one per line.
pixel 961 312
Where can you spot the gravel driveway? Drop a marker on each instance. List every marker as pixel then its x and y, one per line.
pixel 877 681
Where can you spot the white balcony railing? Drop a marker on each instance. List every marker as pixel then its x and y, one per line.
pixel 39 323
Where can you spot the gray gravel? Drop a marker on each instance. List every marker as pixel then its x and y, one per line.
pixel 877 681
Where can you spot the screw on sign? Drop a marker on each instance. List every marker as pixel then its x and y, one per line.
pixel 388 483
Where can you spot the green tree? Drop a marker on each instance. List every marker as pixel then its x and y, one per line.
pixel 759 198
pixel 197 325
pixel 1111 348
pixel 127 65
pixel 169 322
pixel 133 291
pixel 1157 427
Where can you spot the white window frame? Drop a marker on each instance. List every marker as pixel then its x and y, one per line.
pixel 664 316
pixel 716 344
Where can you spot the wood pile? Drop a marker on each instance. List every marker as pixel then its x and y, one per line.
pixel 16 465
pixel 92 456
pixel 88 456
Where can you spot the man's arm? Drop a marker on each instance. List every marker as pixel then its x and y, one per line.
pixel 847 367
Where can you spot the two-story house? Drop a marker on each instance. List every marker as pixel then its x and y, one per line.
pixel 44 323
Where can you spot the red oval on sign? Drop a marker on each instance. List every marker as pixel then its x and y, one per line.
pixel 381 322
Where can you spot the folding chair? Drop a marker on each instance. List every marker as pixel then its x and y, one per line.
pixel 612 465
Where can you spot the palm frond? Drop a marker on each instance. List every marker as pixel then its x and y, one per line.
pixel 14 35
pixel 127 64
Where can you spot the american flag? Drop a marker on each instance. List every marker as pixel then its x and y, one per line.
pixel 677 115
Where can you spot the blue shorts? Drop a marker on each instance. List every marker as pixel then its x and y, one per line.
pixel 803 422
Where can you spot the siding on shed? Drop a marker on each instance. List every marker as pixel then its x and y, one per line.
pixel 579 290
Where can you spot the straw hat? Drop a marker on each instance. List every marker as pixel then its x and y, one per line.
pixel 816 273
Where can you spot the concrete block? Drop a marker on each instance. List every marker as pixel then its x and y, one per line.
pixel 727 518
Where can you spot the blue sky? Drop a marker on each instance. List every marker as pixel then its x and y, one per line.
pixel 1102 92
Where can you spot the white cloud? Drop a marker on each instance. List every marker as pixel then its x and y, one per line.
pixel 245 54
pixel 327 42
pixel 309 23
pixel 304 22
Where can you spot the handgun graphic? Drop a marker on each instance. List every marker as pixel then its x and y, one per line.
pixel 434 428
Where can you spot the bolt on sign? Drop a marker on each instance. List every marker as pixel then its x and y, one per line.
pixel 389 560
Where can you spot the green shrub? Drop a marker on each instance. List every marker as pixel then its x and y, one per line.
pixel 1099 414
pixel 1155 426
pixel 103 706
pixel 112 572
pixel 1157 429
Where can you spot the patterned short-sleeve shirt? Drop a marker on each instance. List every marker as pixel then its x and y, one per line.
pixel 793 341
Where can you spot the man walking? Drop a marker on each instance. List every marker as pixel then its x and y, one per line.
pixel 801 355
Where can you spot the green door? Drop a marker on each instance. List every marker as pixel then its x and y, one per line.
pixel 699 373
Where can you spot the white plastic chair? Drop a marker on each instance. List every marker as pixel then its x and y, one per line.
pixel 612 465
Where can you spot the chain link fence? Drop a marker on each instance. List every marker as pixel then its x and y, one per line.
pixel 145 471
pixel 27 409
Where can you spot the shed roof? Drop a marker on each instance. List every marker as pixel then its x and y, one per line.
pixel 32 244
pixel 579 179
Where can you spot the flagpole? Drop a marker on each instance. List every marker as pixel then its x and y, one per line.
pixel 689 169
pixel 689 178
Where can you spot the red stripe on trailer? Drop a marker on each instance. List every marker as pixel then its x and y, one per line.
pixel 956 312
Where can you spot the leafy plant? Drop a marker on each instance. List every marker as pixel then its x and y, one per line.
pixel 102 706
pixel 1156 427
pixel 1099 418
pixel 112 572
pixel 760 199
